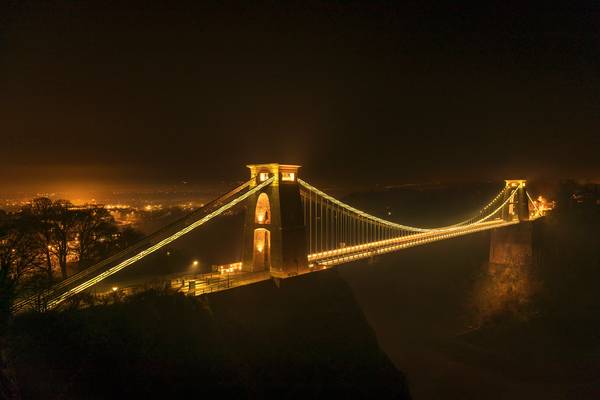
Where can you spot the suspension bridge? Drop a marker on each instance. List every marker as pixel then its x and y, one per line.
pixel 293 228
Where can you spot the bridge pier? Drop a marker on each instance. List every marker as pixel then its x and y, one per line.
pixel 512 245
pixel 274 231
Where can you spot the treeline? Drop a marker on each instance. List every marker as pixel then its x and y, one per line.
pixel 46 239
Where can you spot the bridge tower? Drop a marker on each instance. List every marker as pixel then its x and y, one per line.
pixel 519 207
pixel 513 245
pixel 274 231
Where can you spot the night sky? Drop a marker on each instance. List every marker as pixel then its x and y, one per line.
pixel 99 92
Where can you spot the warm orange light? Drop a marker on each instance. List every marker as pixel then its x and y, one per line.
pixel 263 210
pixel 260 240
pixel 288 176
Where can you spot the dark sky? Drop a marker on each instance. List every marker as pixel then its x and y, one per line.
pixel 99 92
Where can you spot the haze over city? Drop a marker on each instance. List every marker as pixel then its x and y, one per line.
pixel 97 97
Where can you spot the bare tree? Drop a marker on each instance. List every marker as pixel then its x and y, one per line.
pixel 96 233
pixel 39 215
pixel 18 252
pixel 63 232
pixel 12 243
pixel 128 237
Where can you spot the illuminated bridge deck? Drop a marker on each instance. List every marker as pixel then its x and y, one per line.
pixel 367 250
pixel 321 232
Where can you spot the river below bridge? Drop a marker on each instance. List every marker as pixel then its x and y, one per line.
pixel 461 328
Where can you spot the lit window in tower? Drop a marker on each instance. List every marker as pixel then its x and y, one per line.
pixel 262 214
pixel 288 176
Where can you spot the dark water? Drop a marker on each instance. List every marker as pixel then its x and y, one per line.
pixel 461 328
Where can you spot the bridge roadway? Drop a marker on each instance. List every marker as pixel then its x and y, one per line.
pixel 215 281
pixel 353 253
pixel 197 284
pixel 405 237
pixel 189 284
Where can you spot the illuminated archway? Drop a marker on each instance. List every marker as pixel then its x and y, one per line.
pixel 262 215
pixel 262 249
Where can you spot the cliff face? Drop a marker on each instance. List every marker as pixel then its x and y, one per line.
pixel 306 338
pixel 512 245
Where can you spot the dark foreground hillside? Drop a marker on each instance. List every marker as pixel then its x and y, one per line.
pixel 306 339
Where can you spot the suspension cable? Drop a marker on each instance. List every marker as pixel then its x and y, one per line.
pixel 393 224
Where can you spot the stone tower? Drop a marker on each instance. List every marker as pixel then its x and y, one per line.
pixel 519 207
pixel 274 232
pixel 513 245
